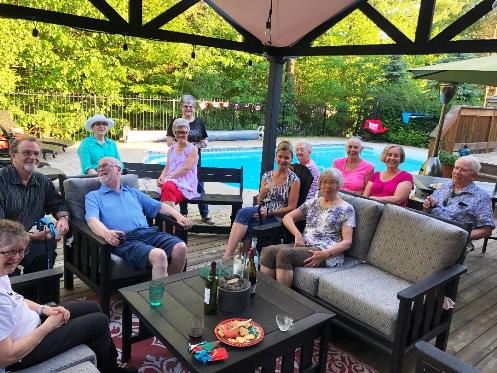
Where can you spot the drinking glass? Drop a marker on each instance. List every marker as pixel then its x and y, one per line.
pixel 284 321
pixel 156 293
pixel 146 183
pixel 196 324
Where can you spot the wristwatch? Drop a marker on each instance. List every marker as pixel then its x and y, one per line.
pixel 41 308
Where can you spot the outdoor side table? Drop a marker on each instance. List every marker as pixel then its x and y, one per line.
pixel 184 293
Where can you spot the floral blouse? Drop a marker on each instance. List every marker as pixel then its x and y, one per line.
pixel 324 225
pixel 279 193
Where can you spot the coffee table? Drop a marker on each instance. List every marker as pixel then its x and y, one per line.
pixel 184 294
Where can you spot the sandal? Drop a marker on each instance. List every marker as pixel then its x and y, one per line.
pixel 208 220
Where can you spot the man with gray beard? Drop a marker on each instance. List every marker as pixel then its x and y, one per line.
pixel 26 196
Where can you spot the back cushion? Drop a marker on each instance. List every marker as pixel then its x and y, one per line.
pixel 77 188
pixel 412 246
pixel 367 216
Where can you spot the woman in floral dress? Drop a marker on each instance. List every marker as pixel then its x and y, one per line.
pixel 328 233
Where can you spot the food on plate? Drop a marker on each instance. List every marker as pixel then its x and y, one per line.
pixel 238 332
pixel 435 185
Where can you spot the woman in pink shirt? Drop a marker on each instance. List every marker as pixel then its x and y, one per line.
pixel 392 185
pixel 356 171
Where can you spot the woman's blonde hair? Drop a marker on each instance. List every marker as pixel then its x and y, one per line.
pixel 285 145
pixel 388 147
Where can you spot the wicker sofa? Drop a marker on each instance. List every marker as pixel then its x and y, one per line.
pixel 391 288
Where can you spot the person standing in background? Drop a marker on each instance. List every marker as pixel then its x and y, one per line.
pixel 198 137
pixel 303 151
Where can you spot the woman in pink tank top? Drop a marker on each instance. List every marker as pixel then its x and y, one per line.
pixel 356 171
pixel 393 185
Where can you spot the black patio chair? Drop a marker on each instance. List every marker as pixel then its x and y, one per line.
pixel 433 360
pixel 275 233
pixel 88 256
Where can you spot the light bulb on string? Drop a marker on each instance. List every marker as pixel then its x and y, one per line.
pixel 193 52
pixel 250 63
pixel 35 32
pixel 125 44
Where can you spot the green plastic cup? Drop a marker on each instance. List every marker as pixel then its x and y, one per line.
pixel 156 293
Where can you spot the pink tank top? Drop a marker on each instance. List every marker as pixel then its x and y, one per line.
pixel 387 188
pixel 353 181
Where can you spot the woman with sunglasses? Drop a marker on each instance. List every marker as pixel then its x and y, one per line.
pixel 31 333
pixel 279 188
pixel 392 185
pixel 198 137
pixel 178 180
pixel 355 170
pixel 95 147
pixel 328 232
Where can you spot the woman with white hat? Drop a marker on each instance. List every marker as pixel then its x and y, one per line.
pixel 98 146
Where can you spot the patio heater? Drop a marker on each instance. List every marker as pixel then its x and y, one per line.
pixel 432 166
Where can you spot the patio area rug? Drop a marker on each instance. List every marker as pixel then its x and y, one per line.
pixel 152 356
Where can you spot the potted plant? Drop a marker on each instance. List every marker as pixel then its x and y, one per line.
pixel 447 160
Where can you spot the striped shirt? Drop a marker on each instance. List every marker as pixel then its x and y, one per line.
pixel 26 204
pixel 312 166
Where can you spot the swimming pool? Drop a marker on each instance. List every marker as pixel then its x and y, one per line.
pixel 250 159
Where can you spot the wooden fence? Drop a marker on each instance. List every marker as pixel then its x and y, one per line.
pixel 475 126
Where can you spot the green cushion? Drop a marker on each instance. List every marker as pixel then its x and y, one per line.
pixel 412 246
pixel 367 215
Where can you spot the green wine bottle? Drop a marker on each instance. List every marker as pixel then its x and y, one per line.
pixel 252 272
pixel 210 293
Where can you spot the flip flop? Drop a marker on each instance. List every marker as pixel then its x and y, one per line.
pixel 209 220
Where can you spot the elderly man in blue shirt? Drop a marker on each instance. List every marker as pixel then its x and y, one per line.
pixel 117 212
pixel 461 200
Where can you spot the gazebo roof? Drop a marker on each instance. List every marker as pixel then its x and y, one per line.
pixel 295 24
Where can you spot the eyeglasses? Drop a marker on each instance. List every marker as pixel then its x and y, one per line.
pixel 181 132
pixel 29 153
pixel 447 199
pixel 187 106
pixel 106 166
pixel 13 253
pixel 331 182
pixel 105 124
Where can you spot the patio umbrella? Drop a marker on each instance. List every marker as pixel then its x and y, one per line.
pixel 481 70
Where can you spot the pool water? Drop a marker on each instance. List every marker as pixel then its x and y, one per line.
pixel 250 159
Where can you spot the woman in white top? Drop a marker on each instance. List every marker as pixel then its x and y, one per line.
pixel 31 333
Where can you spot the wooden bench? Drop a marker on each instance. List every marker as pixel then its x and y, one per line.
pixel 205 174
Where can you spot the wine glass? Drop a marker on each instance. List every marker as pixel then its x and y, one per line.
pixel 146 183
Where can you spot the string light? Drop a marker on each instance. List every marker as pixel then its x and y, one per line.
pixel 268 24
pixel 125 44
pixel 193 52
pixel 250 63
pixel 35 32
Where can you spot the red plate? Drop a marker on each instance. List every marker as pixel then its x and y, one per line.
pixel 251 342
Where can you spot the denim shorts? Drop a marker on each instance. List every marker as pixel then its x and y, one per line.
pixel 245 216
pixel 138 244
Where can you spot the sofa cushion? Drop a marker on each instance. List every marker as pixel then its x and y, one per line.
pixel 365 293
pixel 307 279
pixel 412 246
pixel 75 190
pixel 66 360
pixel 367 215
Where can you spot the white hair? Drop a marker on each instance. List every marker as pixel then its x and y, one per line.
pixel 187 99
pixel 180 123
pixel 307 145
pixel 356 139
pixel 331 173
pixel 475 163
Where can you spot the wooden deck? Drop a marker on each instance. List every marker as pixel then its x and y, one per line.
pixel 473 337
